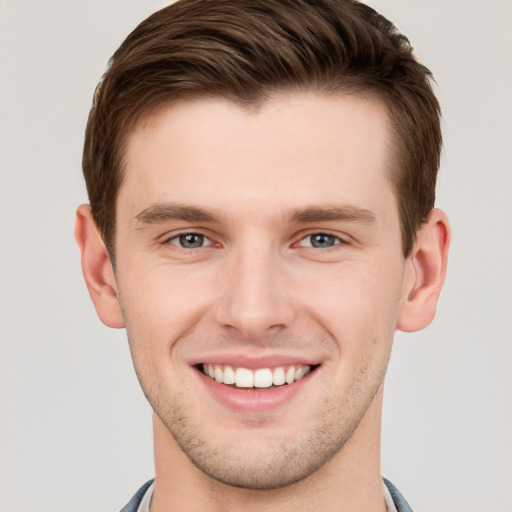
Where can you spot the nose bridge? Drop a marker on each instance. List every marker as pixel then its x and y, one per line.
pixel 255 298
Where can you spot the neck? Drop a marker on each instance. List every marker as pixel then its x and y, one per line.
pixel 350 481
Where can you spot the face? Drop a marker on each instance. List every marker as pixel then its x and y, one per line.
pixel 260 275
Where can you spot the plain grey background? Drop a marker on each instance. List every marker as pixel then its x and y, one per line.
pixel 75 428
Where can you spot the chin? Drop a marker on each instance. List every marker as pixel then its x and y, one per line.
pixel 263 471
pixel 263 459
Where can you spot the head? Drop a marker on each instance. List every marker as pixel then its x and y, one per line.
pixel 245 53
pixel 261 178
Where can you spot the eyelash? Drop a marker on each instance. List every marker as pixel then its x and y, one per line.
pixel 336 239
pixel 185 234
pixel 179 238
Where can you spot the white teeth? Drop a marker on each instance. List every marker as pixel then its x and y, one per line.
pixel 219 375
pixel 244 378
pixel 301 371
pixel 260 378
pixel 290 375
pixel 278 378
pixel 229 375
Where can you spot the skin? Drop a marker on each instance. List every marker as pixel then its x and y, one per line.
pixel 265 180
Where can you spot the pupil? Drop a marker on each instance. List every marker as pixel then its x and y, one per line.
pixel 191 240
pixel 322 240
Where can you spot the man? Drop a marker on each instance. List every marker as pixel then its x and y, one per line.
pixel 261 177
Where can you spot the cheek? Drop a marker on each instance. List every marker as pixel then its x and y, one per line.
pixel 358 304
pixel 160 306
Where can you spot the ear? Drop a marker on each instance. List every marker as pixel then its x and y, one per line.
pixel 425 273
pixel 97 269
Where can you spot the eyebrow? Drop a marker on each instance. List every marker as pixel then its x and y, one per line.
pixel 331 213
pixel 161 213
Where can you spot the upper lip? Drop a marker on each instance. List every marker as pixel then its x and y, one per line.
pixel 252 362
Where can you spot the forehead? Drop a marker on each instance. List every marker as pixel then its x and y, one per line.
pixel 294 148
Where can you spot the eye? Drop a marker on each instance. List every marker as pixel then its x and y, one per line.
pixel 320 241
pixel 190 240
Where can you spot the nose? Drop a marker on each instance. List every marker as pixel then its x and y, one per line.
pixel 256 297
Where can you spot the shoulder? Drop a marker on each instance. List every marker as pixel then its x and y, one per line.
pixel 399 501
pixel 134 503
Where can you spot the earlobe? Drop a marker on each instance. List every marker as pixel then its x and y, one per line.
pixel 97 269
pixel 425 273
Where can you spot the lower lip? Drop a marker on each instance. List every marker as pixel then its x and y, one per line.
pixel 254 400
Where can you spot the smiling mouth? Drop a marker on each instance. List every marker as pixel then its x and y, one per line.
pixel 259 379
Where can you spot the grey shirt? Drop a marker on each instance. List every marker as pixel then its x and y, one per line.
pixel 142 499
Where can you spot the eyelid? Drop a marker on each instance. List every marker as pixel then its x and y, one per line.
pixel 170 238
pixel 206 241
pixel 340 240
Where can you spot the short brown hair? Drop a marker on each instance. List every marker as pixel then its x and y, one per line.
pixel 245 50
